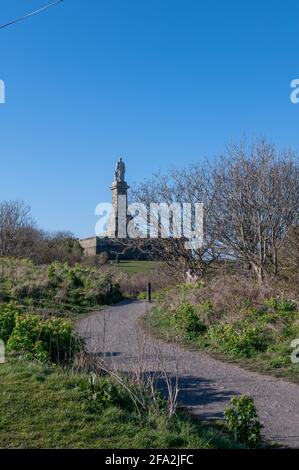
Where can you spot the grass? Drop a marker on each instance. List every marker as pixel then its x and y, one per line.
pixel 56 288
pixel 135 266
pixel 45 407
pixel 272 358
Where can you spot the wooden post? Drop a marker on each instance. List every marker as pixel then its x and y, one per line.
pixel 149 292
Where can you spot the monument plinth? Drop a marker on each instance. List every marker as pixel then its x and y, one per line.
pixel 117 225
pixel 119 219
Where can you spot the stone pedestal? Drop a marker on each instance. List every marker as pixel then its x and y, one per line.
pixel 119 218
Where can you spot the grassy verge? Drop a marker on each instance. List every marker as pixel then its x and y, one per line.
pixel 49 407
pixel 259 339
pixel 136 266
pixel 57 289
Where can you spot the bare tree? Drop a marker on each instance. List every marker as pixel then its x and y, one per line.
pixel 251 199
pixel 289 255
pixel 59 246
pixel 256 203
pixel 175 189
pixel 17 229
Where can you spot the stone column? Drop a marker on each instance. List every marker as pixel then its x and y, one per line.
pixel 120 205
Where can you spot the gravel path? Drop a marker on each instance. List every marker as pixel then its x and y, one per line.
pixel 206 384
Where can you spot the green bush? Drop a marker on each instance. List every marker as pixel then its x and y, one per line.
pixel 59 339
pixel 281 304
pixel 242 419
pixel 50 340
pixel 206 312
pixel 155 295
pixel 240 340
pixel 98 394
pixel 115 294
pixel 8 314
pixel 142 296
pixel 186 322
pixel 25 338
pixel 56 287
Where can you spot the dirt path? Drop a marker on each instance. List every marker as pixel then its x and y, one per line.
pixel 206 384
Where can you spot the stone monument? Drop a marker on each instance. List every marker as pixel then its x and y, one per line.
pixel 119 190
pixel 112 244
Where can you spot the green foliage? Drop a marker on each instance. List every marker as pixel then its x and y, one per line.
pixel 8 314
pixel 142 296
pixel 49 340
pixel 44 406
pixel 239 339
pixel 25 338
pixel 255 331
pixel 186 322
pixel 136 266
pixel 205 310
pixel 200 284
pixel 98 394
pixel 56 287
pixel 74 278
pixel 242 419
pixel 115 294
pixel 156 295
pixel 280 304
pixel 59 339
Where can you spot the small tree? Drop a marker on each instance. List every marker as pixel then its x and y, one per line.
pixel 192 185
pixel 242 420
pixel 18 234
pixel 256 203
pixel 60 246
pixel 289 255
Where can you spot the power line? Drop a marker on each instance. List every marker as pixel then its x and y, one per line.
pixel 16 20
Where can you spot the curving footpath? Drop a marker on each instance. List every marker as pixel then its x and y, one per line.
pixel 206 385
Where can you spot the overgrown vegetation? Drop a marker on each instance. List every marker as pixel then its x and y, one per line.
pixel 32 337
pixel 65 409
pixel 55 288
pixel 233 320
pixel 250 314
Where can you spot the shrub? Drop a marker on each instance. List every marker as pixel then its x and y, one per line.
pixel 186 322
pixel 60 342
pixel 98 394
pixel 25 338
pixel 50 340
pixel 239 340
pixel 82 286
pixel 206 312
pixel 115 294
pixel 281 304
pixel 74 279
pixel 8 313
pixel 242 419
pixel 155 295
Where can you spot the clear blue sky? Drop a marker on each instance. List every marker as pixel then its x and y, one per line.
pixel 161 82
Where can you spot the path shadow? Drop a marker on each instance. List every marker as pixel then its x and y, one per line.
pixel 97 355
pixel 197 393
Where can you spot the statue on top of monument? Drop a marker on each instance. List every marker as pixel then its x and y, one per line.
pixel 120 171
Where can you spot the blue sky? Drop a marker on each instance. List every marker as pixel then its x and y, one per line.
pixel 161 82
